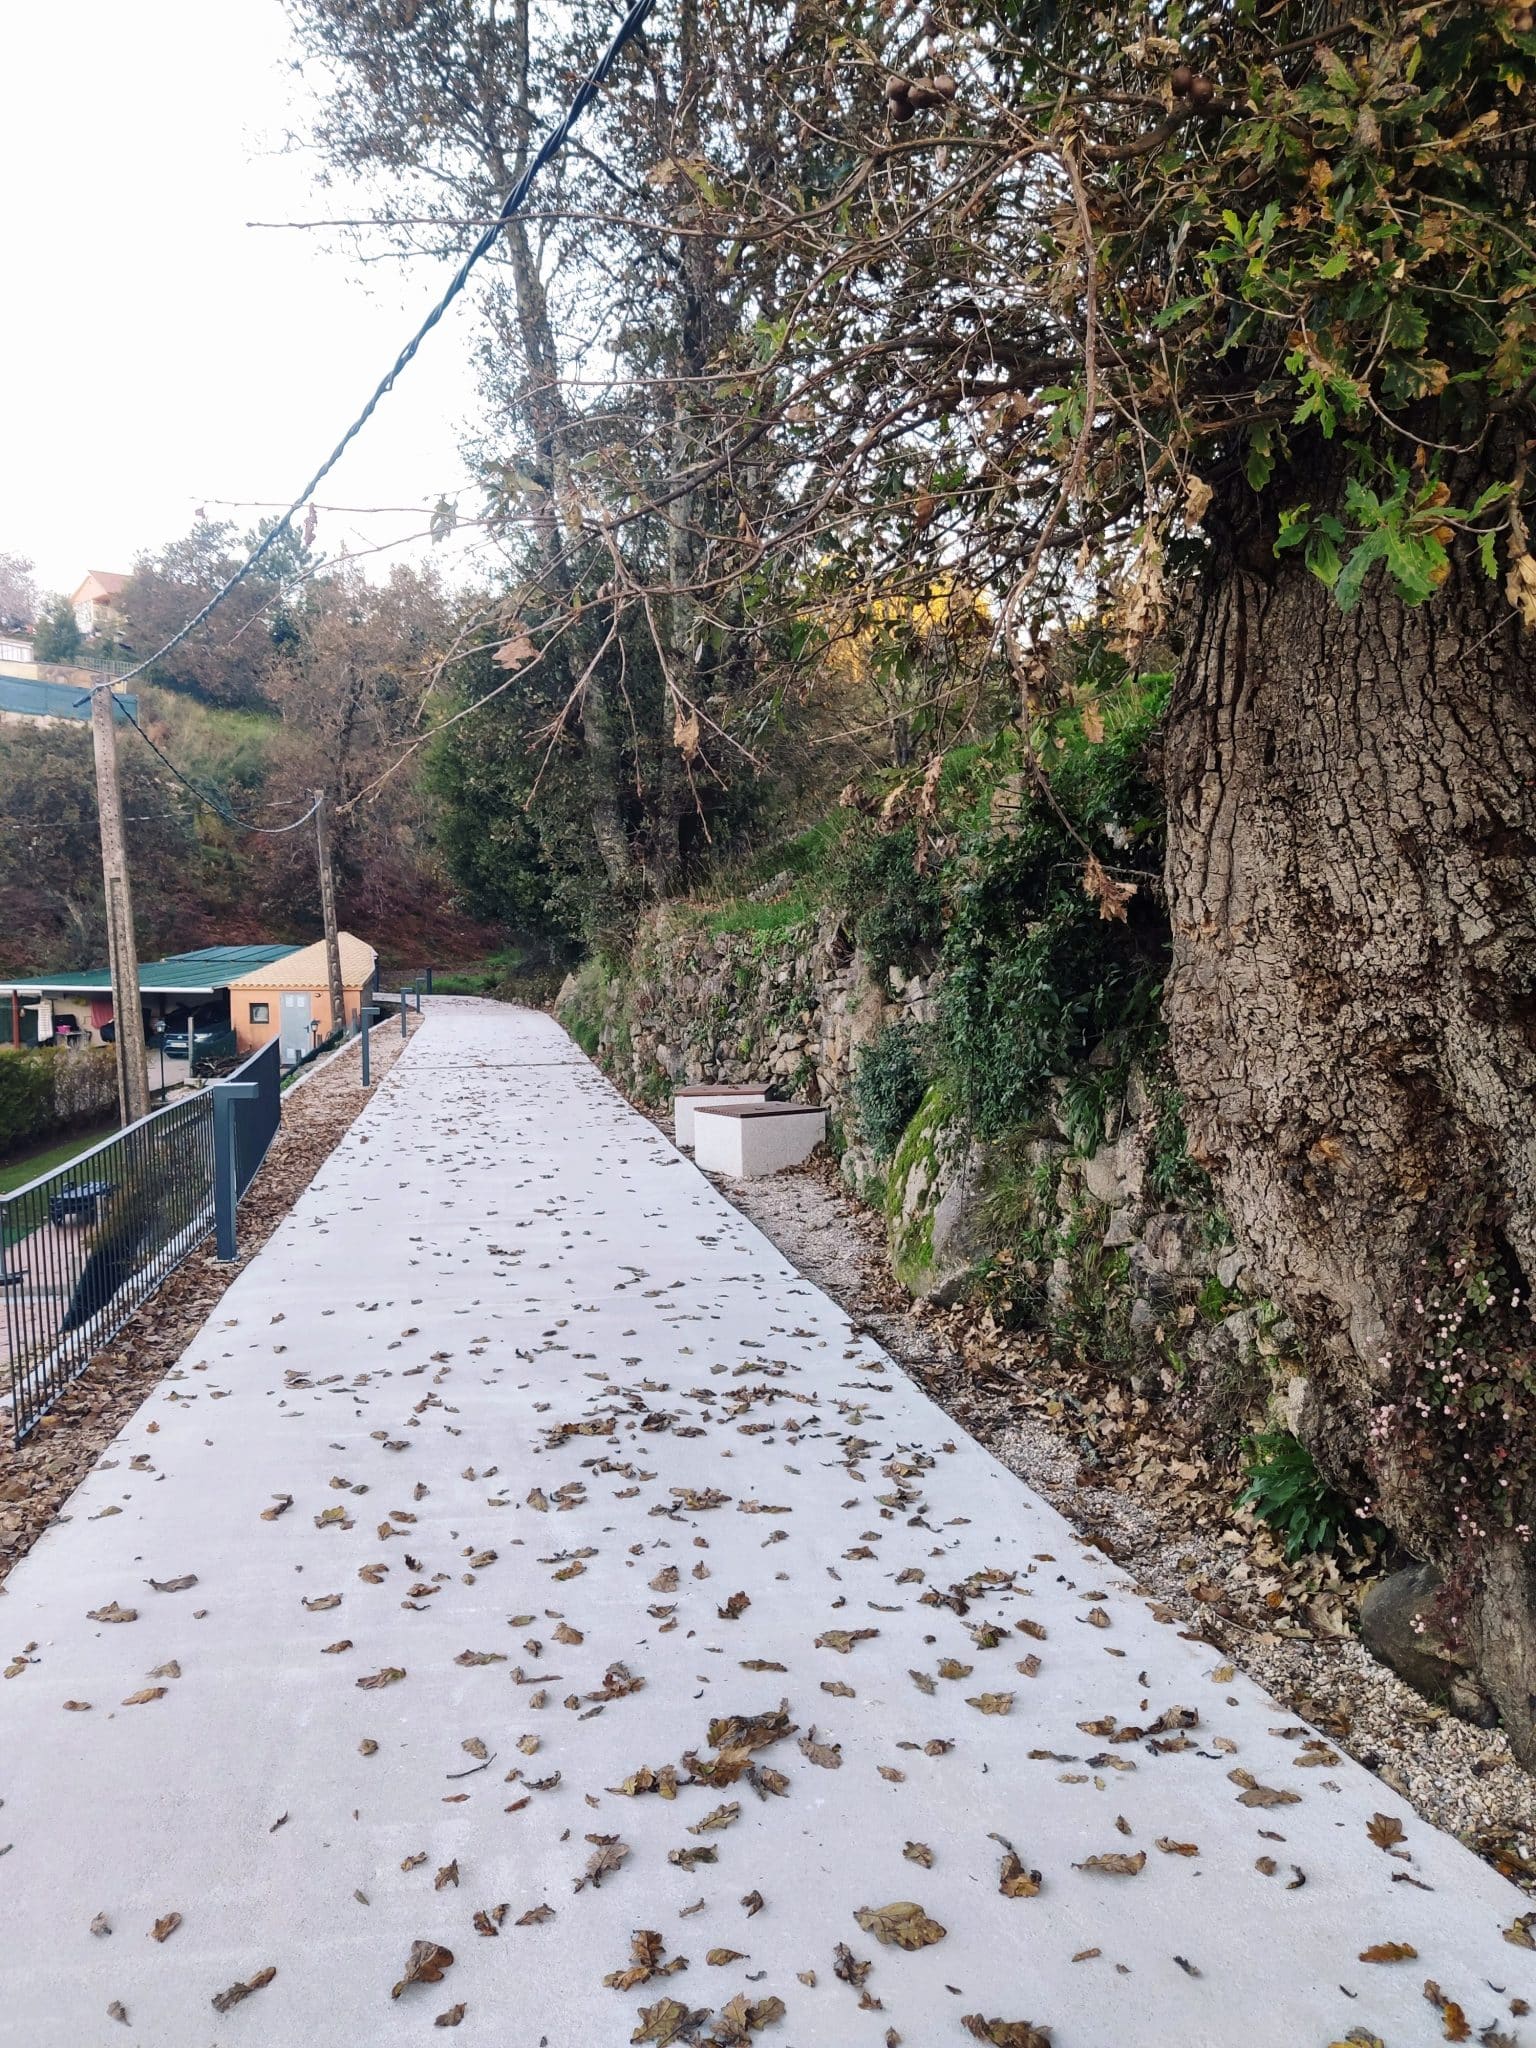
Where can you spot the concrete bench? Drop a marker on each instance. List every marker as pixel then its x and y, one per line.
pixel 687 1101
pixel 748 1138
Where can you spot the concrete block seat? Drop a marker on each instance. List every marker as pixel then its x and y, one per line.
pixel 747 1138
pixel 687 1101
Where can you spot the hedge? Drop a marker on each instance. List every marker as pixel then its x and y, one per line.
pixel 46 1090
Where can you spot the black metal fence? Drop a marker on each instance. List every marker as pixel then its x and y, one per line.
pixel 83 1246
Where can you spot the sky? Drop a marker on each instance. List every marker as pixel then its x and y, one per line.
pixel 158 354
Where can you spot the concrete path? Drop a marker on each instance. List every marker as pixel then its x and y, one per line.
pixel 629 1608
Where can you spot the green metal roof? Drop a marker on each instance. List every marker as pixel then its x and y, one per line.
pixel 210 967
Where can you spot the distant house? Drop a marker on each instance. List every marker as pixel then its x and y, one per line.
pixel 76 1009
pixel 96 598
pixel 290 999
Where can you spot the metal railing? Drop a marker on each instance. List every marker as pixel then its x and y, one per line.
pixel 84 1246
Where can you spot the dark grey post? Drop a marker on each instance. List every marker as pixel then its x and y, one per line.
pixel 429 981
pixel 404 1027
pixel 365 1017
pixel 225 1197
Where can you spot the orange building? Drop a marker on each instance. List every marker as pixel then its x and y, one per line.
pixel 290 999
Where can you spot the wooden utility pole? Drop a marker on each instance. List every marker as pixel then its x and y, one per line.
pixel 328 913
pixel 122 944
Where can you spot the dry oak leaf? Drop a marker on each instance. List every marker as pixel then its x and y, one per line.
pixel 1389 1952
pixel 223 2000
pixel 534 1916
pixel 1171 1848
pixel 1006 2033
pixel 143 1698
pixel 112 1612
pixel 323 1603
pixel 919 1852
pixel 451 2017
pixel 367 1747
pixel 900 1925
pixel 282 1502
pixel 721 1817
pixel 449 1874
pixel 1385 1831
pixel 101 1924
pixel 1453 2021
pixel 165 1927
pixel 1522 1932
pixel 1015 1880
pixel 738 2020
pixel 1115 1864
pixel 1255 1794
pixel 118 2011
pixel 173 1585
pixel 488 1920
pixel 390 1675
pixel 992 1702
pixel 606 1857
pixel 468 1657
pixel 828 1754
pixel 424 1965
pixel 843 1639
pixel 719 1957
pixel 668 2021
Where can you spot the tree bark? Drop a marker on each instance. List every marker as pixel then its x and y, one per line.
pixel 1352 825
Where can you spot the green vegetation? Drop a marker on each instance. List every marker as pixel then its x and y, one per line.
pixel 889 1081
pixel 45 1091
pixel 1289 1495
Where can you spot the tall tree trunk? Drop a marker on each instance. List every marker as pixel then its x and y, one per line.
pixel 1352 825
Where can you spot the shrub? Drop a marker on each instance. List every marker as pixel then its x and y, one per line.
pixel 889 1083
pixel 45 1091
pixel 1035 978
pixel 1289 1495
pixel 894 908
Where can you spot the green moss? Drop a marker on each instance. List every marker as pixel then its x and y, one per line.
pixel 582 1011
pixel 912 1237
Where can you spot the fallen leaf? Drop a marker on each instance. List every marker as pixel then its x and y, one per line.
pixel 118 2011
pixel 992 1702
pixel 1006 2033
pixel 142 1699
pixel 282 1503
pixel 1115 1864
pixel 609 1853
pixel 535 1915
pixel 223 2000
pixel 719 1957
pixel 448 1875
pixel 112 1612
pixel 843 1639
pixel 424 1965
pixel 1172 1848
pixel 174 1585
pixel 165 1927
pixel 1389 1952
pixel 451 2017
pixel 919 1852
pixel 323 1603
pixel 666 2022
pixel 901 1925
pixel 101 1924
pixel 390 1675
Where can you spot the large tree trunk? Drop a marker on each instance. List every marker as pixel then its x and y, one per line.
pixel 1352 826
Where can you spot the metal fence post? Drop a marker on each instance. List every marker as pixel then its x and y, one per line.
pixel 404 1027
pixel 365 1017
pixel 226 1185
pixel 429 981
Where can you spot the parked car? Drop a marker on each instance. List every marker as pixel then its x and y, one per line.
pixel 209 1039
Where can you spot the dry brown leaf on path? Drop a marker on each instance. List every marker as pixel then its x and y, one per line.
pixel 165 1927
pixel 488 1920
pixel 1006 2033
pixel 1171 1848
pixel 1115 1864
pixel 118 2011
pixel 1015 1880
pixel 424 1965
pixel 173 1585
pixel 534 1916
pixel 282 1502
pixel 448 1875
pixel 606 1857
pixel 223 2000
pixel 143 1698
pixel 719 1957
pixel 992 1702
pixel 919 1852
pixel 903 1924
pixel 843 1639
pixel 101 1924
pixel 1385 1831
pixel 112 1612
pixel 451 2017
pixel 668 2021
pixel 828 1754
pixel 390 1675
pixel 1389 1952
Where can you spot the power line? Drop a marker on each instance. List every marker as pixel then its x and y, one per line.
pixel 548 149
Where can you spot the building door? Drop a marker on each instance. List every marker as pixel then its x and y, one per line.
pixel 293 1024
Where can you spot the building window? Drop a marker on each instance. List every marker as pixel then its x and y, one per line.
pixel 260 1014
